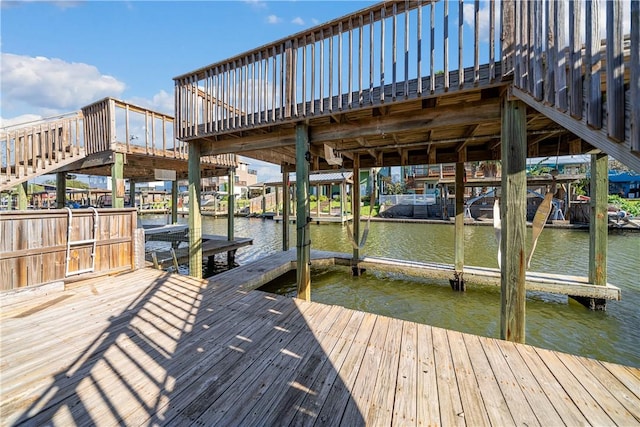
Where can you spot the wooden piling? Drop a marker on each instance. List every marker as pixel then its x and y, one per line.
pixel 355 212
pixel 23 201
pixel 132 192
pixel 231 204
pixel 117 181
pixel 286 206
pixel 61 190
pixel 303 242
pixel 598 227
pixel 457 282
pixel 174 200
pixel 513 208
pixel 195 215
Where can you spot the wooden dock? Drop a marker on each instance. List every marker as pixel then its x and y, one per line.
pixel 322 219
pixel 162 349
pixel 178 233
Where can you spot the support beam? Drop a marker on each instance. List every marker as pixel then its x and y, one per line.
pixel 174 200
pixel 457 283
pixel 303 242
pixel 513 209
pixel 195 215
pixel 117 181
pixel 286 207
pixel 23 201
pixel 598 228
pixel 355 212
pixel 231 203
pixel 132 192
pixel 61 190
pixel 318 201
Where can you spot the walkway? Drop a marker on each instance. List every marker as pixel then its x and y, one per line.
pixel 153 348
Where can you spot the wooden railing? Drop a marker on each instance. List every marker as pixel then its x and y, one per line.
pixel 588 68
pixel 33 248
pixel 390 52
pixel 41 145
pixel 115 125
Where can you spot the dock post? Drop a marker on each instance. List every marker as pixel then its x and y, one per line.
pixel 132 193
pixel 174 201
pixel 457 283
pixel 286 206
pixel 117 181
pixel 355 212
pixel 598 229
pixel 195 215
pixel 303 242
pixel 23 202
pixel 513 209
pixel 61 189
pixel 231 209
pixel 277 211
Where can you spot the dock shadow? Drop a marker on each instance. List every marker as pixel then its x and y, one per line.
pixel 186 351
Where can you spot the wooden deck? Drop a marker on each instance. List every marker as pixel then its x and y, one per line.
pixel 156 348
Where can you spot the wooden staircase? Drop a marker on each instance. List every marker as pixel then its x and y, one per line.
pixel 39 148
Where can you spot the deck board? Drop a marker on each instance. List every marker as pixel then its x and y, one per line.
pixel 150 347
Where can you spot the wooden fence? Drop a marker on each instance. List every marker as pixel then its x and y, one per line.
pixel 34 244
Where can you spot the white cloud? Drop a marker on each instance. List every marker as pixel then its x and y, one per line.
pixel 50 84
pixel 315 21
pixel 162 102
pixel 483 19
pixel 25 118
pixel 297 20
pixel 273 19
pixel 256 4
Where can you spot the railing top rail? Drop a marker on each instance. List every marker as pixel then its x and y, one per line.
pixel 132 107
pixel 319 32
pixel 36 122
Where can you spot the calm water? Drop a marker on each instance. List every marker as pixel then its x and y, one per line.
pixel 553 322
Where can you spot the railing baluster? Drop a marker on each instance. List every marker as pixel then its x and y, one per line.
pixel 575 48
pixel 432 46
pixel 460 41
pixel 561 70
pixel 634 89
pixel 340 66
pixel 371 57
pixel 419 50
pixel 321 98
pixel 615 72
pixel 382 18
pixel 446 46
pixel 331 69
pixel 406 50
pixel 312 99
pixel 476 46
pixel 492 41
pixel 350 83
pixel 394 54
pixel 360 55
pixel 550 52
pixel 592 65
pixel 303 77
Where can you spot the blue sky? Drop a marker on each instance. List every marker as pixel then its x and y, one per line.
pixel 58 56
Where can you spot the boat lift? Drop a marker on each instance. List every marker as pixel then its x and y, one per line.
pixel 556 214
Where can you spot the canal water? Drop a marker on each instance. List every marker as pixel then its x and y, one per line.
pixel 553 322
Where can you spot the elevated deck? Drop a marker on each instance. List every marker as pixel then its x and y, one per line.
pixel 406 83
pixel 156 348
pixel 88 142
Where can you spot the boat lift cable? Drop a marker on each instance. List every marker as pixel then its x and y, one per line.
pixel 365 233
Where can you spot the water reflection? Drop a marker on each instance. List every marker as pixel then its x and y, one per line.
pixel 554 322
